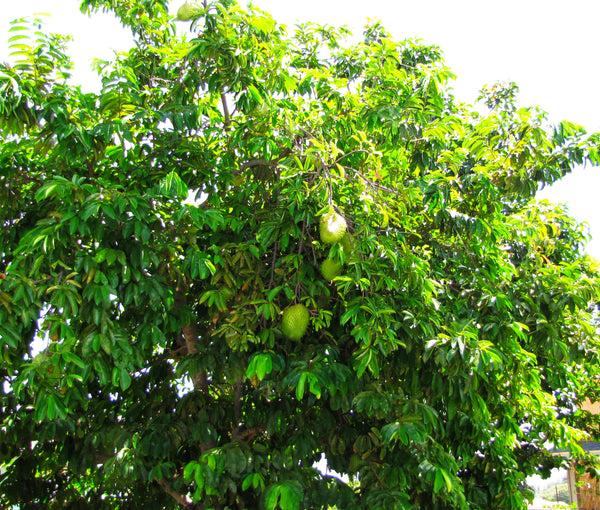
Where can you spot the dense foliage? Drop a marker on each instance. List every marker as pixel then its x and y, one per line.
pixel 154 232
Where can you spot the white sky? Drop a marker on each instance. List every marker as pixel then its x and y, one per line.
pixel 548 47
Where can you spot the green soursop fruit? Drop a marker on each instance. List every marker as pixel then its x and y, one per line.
pixel 188 12
pixel 331 268
pixel 332 227
pixel 346 244
pixel 295 321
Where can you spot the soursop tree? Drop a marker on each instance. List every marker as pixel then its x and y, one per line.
pixel 155 231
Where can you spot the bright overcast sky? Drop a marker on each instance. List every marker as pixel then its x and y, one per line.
pixel 548 47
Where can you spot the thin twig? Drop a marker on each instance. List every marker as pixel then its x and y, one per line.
pixel 349 154
pixel 374 185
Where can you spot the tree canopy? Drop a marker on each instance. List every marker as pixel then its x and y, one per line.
pixel 154 233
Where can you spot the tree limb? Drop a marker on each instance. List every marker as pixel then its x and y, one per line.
pixel 190 334
pixel 227 121
pixel 237 406
pixel 183 500
pixel 249 434
pixel 191 337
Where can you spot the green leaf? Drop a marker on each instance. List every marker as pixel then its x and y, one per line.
pixel 189 470
pixel 264 365
pixel 125 379
pixel 9 336
pixel 315 386
pixel 290 497
pixel 248 481
pixel 199 478
pixel 442 478
pixel 300 387
pixel 272 497
pixel 50 407
pixel 73 358
pixel 173 185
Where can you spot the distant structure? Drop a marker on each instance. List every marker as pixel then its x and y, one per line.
pixel 584 490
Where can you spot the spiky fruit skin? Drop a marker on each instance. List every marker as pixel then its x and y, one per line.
pixel 331 268
pixel 346 244
pixel 295 321
pixel 261 110
pixel 332 227
pixel 188 12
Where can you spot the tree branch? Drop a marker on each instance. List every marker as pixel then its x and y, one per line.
pixel 256 162
pixel 183 500
pixel 190 334
pixel 191 337
pixel 227 121
pixel 249 434
pixel 237 406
